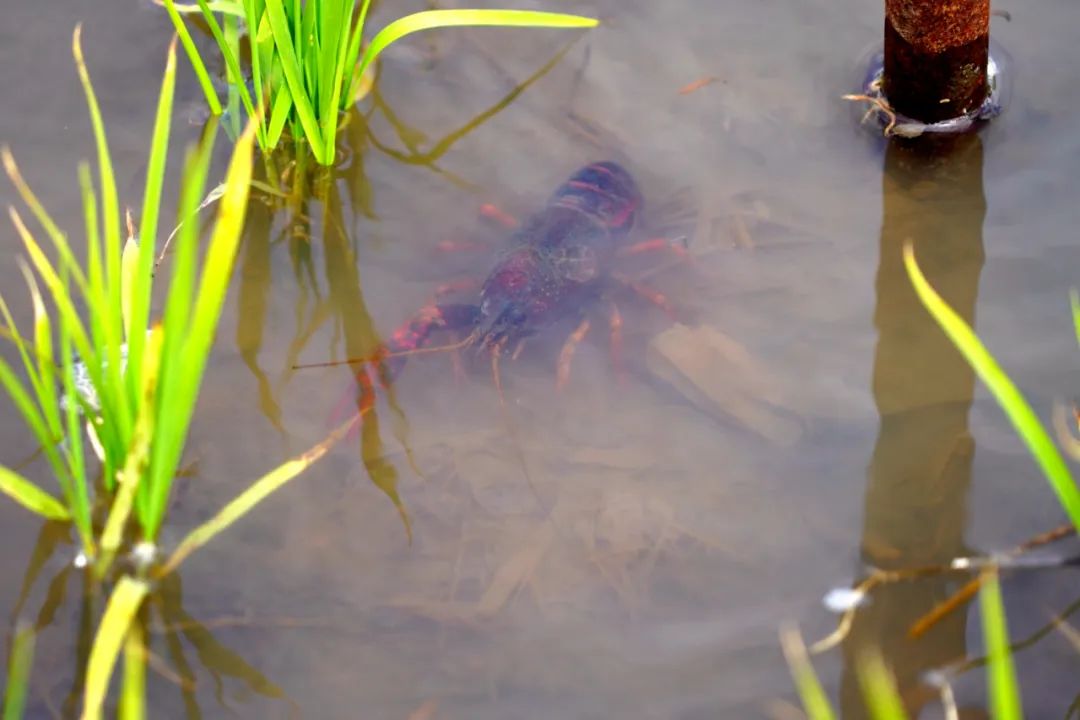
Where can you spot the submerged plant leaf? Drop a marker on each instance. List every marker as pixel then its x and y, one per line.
pixel 1004 695
pixel 879 688
pixel 1016 408
pixel 18 681
pixel 119 614
pixel 815 702
pixel 255 494
pixel 133 689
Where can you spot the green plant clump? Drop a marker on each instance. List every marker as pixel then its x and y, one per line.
pixel 307 62
pixel 130 383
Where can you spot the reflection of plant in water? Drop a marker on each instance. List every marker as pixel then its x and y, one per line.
pixel 308 61
pixel 134 386
pixel 302 189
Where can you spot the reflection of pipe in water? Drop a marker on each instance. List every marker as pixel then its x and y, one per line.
pixel 920 472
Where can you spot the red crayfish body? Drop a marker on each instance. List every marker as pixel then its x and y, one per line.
pixel 558 265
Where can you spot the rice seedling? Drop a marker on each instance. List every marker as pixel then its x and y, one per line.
pixel 129 382
pixel 308 60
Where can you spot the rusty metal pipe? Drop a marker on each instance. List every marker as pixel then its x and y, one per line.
pixel 936 55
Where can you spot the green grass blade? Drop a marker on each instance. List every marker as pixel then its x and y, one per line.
pixel 252 13
pixel 137 456
pixel 18 681
pixel 111 237
pixel 430 19
pixel 43 349
pixel 30 367
pixel 57 236
pixel 282 105
pixel 294 76
pixel 232 65
pixel 176 320
pixel 185 376
pixel 1004 695
pixel 129 279
pixel 256 493
pixel 30 496
pixel 333 43
pixel 33 419
pixel 194 58
pixel 879 688
pixel 58 290
pixel 352 54
pixel 96 296
pixel 1017 409
pixel 76 458
pixel 73 488
pixel 815 702
pixel 139 298
pixel 119 614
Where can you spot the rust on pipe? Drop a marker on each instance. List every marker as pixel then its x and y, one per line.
pixel 936 54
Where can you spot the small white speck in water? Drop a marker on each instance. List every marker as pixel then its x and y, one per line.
pixel 840 600
pixel 81 561
pixel 143 553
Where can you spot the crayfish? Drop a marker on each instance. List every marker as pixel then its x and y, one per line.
pixel 559 265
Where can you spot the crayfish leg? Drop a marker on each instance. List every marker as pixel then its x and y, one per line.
pixel 659 244
pixel 647 292
pixel 562 376
pixel 497 215
pixel 615 322
pixel 462 285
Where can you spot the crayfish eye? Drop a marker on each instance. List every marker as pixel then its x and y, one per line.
pixel 515 316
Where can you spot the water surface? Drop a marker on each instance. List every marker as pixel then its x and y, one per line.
pixel 614 550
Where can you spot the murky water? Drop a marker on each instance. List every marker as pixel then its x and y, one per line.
pixel 625 548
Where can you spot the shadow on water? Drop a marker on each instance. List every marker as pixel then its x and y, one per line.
pixel 920 472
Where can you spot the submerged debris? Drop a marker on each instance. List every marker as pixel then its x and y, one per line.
pixel 717 375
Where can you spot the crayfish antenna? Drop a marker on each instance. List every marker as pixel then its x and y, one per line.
pixel 512 428
pixel 386 355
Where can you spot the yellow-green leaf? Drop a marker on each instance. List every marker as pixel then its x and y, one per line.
pixel 1016 408
pixel 30 496
pixel 129 269
pixel 255 494
pixel 121 610
pixel 1003 691
pixel 18 682
pixel 815 702
pixel 879 688
pixel 133 689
